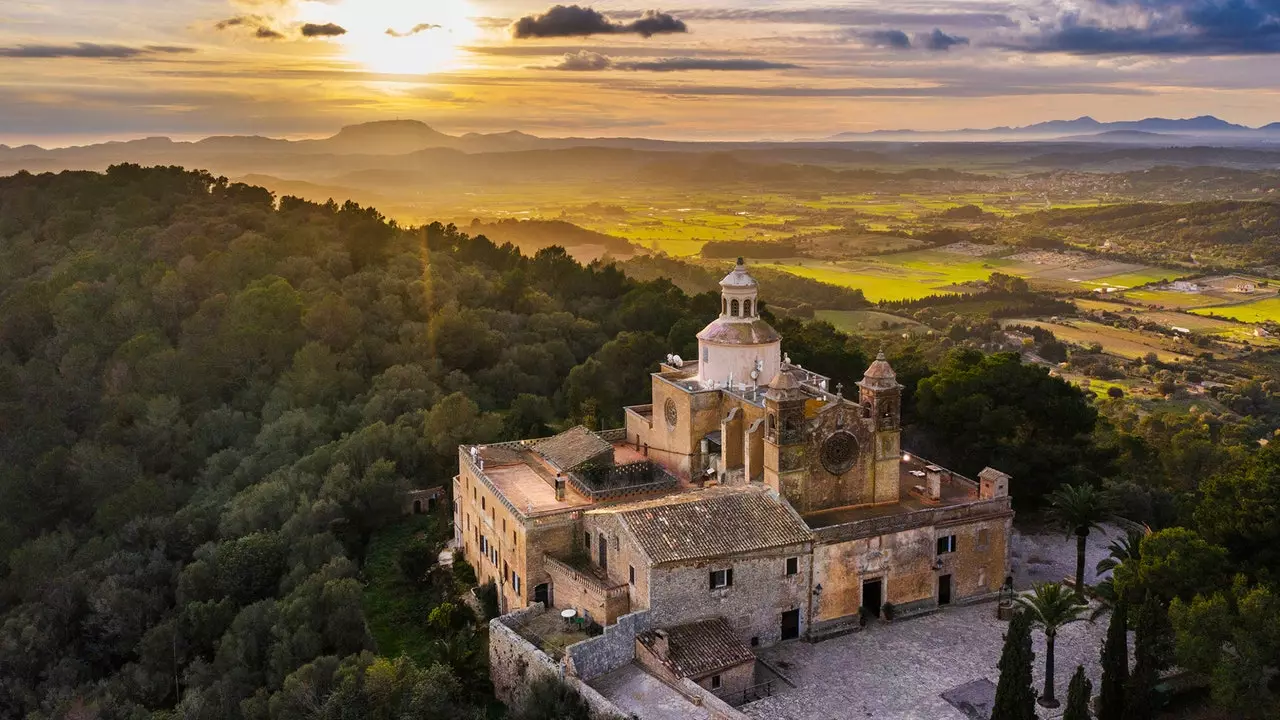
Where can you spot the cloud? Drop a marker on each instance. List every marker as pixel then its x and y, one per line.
pixel 575 21
pixel 326 30
pixel 895 39
pixel 419 28
pixel 584 61
pixel 988 15
pixel 1156 27
pixel 260 25
pixel 936 41
pixel 91 50
pixel 940 41
pixel 589 61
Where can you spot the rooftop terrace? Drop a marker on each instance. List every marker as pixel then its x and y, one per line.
pixel 913 496
pixel 527 481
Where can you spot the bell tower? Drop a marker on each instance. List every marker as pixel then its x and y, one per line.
pixel 785 437
pixel 881 398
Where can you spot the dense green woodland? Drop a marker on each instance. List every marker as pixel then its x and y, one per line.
pixel 213 401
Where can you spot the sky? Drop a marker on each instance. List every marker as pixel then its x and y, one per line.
pixel 75 71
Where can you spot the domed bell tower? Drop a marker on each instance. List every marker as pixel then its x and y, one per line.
pixel 881 398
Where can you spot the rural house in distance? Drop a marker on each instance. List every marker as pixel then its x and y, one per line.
pixel 750 503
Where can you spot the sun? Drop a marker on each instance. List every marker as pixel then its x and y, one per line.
pixel 398 36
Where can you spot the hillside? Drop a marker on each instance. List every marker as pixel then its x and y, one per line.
pixel 213 404
pixel 534 235
pixel 1223 233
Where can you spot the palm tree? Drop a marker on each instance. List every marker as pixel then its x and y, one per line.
pixel 1123 550
pixel 1051 607
pixel 1079 509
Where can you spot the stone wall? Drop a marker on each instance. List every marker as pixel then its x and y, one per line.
pixel 761 592
pixel 592 658
pixel 717 709
pixel 515 663
pixel 909 567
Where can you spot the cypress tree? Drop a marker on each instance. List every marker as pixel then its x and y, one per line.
pixel 1015 700
pixel 1078 694
pixel 1115 666
pixel 1152 646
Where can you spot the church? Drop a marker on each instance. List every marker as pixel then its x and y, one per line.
pixel 750 503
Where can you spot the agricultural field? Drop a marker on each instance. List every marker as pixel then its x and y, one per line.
pixel 1129 344
pixel 1259 311
pixel 862 322
pixel 917 274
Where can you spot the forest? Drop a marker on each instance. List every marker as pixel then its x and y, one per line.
pixel 214 399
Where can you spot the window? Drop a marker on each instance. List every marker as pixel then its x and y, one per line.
pixel 715 682
pixel 504 524
pixel 506 572
pixel 746 308
pixel 631 574
pixel 706 354
pixel 721 579
pixel 946 544
pixel 724 306
pixel 984 537
pixel 514 541
pixel 484 545
pixel 482 505
pixel 733 308
pixel 586 540
pixel 515 582
pixel 793 566
pixel 755 641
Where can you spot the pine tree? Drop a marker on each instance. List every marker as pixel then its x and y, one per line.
pixel 1078 693
pixel 1152 647
pixel 1115 666
pixel 1015 700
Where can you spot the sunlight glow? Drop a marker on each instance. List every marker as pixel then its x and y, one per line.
pixel 394 36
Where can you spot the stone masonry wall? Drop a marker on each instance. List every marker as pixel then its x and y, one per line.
pixel 592 658
pixel 515 664
pixel 761 592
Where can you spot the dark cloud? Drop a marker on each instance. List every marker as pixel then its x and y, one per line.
pixel 258 24
pixel 91 50
pixel 983 15
pixel 326 30
pixel 940 41
pixel 586 60
pixel 419 28
pixel 576 21
pixel 895 39
pixel 1158 27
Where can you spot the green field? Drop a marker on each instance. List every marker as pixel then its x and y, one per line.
pixel 1255 312
pixel 1171 299
pixel 902 276
pixel 1136 279
pixel 868 321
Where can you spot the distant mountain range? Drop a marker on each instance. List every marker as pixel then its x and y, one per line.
pixel 1086 129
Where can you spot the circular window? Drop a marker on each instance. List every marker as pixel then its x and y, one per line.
pixel 839 452
pixel 671 412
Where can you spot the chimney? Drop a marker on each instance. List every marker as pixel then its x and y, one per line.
pixel 661 644
pixel 934 475
pixel 559 487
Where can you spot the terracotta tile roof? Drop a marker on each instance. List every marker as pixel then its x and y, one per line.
pixel 700 648
pixel 572 448
pixel 712 523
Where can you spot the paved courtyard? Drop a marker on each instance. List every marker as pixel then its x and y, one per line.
pixel 898 671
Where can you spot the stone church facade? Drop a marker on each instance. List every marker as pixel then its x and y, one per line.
pixel 749 491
